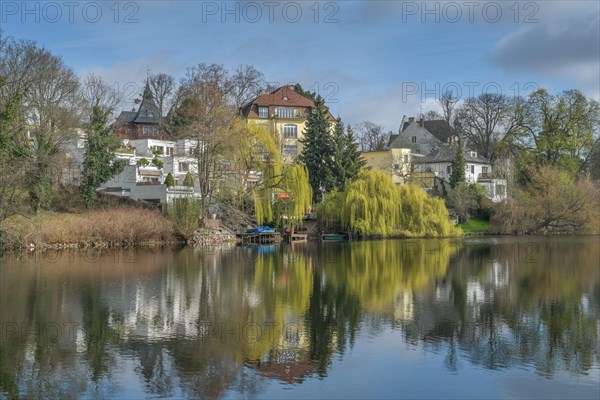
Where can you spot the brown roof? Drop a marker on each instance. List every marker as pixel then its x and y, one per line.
pixel 284 96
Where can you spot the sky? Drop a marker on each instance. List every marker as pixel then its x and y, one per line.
pixel 370 60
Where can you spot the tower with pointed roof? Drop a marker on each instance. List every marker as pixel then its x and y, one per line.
pixel 145 123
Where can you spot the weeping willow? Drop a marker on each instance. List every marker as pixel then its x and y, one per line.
pixel 295 184
pixel 263 147
pixel 374 206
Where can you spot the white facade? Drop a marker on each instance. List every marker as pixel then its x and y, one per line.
pixel 443 170
pixel 476 171
pixel 147 182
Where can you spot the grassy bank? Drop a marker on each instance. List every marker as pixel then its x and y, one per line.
pixel 475 225
pixel 118 226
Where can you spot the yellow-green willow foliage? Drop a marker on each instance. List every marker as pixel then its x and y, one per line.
pixel 377 272
pixel 262 205
pixel 423 215
pixel 263 147
pixel 374 206
pixel 295 184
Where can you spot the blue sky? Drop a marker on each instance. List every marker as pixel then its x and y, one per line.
pixel 375 60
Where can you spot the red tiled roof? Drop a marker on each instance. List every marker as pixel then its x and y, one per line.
pixel 284 96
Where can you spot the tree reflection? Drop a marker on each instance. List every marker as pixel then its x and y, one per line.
pixel 198 323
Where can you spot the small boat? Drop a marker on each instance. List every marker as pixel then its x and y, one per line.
pixel 261 229
pixel 330 237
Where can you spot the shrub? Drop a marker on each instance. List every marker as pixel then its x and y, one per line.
pixel 509 217
pixel 123 224
pixel 185 213
pixel 143 162
pixel 157 163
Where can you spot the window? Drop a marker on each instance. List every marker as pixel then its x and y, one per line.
pixel 184 167
pixel 472 169
pixel 484 170
pixel 169 151
pixel 151 130
pixel 128 130
pixel 157 149
pixel 473 154
pixel 290 150
pixel 406 159
pixel 449 169
pixel 263 112
pixel 290 131
pixel 414 139
pixel 287 112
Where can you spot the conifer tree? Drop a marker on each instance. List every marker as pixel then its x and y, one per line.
pixel 99 163
pixel 317 154
pixel 347 161
pixel 457 175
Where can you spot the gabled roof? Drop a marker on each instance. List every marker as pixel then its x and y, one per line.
pixel 439 128
pixel 147 113
pixel 284 96
pixel 447 153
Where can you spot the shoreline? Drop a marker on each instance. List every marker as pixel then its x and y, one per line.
pixel 205 240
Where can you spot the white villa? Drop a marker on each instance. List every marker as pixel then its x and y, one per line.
pixel 477 169
pixel 141 179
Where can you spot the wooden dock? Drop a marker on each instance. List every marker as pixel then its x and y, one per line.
pixel 258 238
pixel 335 237
pixel 295 237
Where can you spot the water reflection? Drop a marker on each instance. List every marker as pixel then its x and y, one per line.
pixel 208 323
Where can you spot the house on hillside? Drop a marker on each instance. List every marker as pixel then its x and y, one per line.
pixel 436 168
pixel 147 164
pixel 149 155
pixel 283 112
pixel 144 123
pixel 421 136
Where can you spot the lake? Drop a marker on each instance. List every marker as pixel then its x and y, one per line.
pixel 481 317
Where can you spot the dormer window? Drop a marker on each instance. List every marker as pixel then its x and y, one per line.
pixel 285 98
pixel 474 154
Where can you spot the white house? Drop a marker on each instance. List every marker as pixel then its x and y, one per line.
pixel 477 169
pixel 146 181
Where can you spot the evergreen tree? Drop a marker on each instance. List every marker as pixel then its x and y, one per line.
pixel 188 181
pixel 99 163
pixel 169 180
pixel 317 154
pixel 457 176
pixel 306 93
pixel 347 161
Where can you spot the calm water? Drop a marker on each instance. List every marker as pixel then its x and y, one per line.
pixel 472 318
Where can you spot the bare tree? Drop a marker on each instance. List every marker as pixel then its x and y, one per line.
pixel 247 83
pixel 97 93
pixel 53 105
pixel 371 136
pixel 203 112
pixel 162 87
pixel 448 102
pixel 490 120
pixel 433 115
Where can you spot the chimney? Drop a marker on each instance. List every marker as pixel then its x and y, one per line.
pixel 422 122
